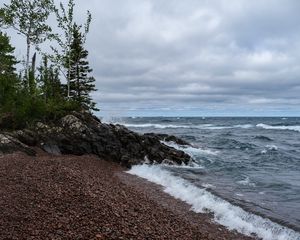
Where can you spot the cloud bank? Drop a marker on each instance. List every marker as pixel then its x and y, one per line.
pixel 195 57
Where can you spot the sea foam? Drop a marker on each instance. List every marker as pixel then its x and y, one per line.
pixel 233 217
pixel 246 182
pixel 163 126
pixel 272 147
pixel 185 126
pixel 190 150
pixel 282 127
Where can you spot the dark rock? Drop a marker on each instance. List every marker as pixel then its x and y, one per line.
pixel 51 148
pixel 168 138
pixel 26 136
pixel 82 133
pixel 9 144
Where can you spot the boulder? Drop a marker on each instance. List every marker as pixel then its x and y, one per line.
pixel 168 138
pixel 9 144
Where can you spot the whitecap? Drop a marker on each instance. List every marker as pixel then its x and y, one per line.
pixel 246 182
pixel 186 126
pixel 214 127
pixel 269 148
pixel 244 126
pixel 239 194
pixel 272 147
pixel 282 127
pixel 156 125
pixel 218 127
pixel 264 151
pixel 191 165
pixel 190 150
pixel 233 217
pixel 207 185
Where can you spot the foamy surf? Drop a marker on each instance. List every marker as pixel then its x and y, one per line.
pixel 226 214
pixel 187 126
pixel 163 126
pixel 191 165
pixel 190 150
pixel 246 182
pixel 152 125
pixel 269 127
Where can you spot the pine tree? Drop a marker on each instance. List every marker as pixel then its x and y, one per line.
pixel 81 84
pixel 7 59
pixel 8 77
pixel 65 20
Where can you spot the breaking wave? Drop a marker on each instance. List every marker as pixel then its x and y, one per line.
pixel 282 127
pixel 272 147
pixel 246 182
pixel 233 217
pixel 199 126
pixel 190 150
pixel 153 125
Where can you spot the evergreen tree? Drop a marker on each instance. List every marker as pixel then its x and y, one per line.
pixel 65 20
pixel 7 59
pixel 81 84
pixel 8 77
pixel 33 96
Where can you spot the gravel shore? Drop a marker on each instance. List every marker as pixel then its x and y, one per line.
pixel 84 197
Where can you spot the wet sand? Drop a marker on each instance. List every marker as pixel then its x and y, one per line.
pixel 84 197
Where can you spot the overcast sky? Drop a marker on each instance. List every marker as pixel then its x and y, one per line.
pixel 193 57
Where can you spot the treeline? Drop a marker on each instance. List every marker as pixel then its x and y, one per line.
pixel 62 82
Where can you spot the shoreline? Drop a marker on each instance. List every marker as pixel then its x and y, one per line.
pixel 85 197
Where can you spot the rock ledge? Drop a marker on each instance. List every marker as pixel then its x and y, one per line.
pixel 83 133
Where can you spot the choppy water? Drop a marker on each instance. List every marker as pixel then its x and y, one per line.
pixel 253 163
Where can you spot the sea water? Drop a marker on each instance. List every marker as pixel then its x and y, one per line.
pixel 246 171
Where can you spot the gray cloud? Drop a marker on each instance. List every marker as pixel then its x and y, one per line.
pixel 207 57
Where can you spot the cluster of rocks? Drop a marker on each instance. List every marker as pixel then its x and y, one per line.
pixel 83 133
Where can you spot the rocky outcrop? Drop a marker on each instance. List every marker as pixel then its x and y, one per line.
pixel 82 133
pixel 9 144
pixel 167 138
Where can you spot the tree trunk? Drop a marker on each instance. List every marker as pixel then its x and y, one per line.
pixel 69 76
pixel 69 68
pixel 27 59
pixel 32 86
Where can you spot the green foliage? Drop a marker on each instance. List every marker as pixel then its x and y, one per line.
pixel 81 84
pixel 39 95
pixel 8 79
pixel 7 59
pixel 65 20
pixel 49 81
pixel 28 18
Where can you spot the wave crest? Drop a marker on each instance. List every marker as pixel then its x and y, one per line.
pixel 190 150
pixel 233 217
pixel 187 126
pixel 282 127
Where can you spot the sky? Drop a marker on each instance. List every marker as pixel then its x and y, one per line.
pixel 192 57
